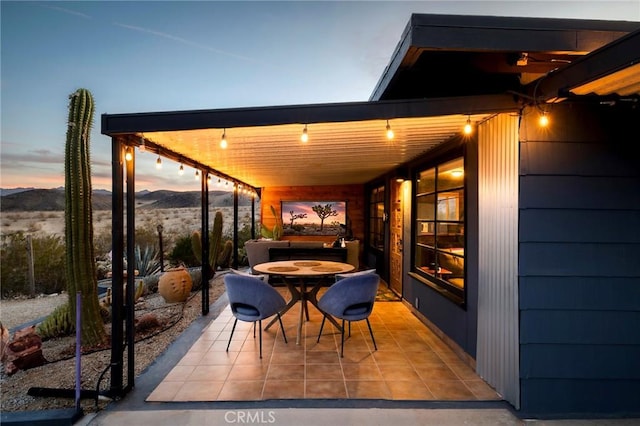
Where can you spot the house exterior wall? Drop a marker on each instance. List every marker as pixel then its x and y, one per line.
pixel 579 266
pixel 454 323
pixel 497 354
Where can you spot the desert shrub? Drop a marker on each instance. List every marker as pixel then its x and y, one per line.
pixel 151 283
pixel 102 242
pixel 147 235
pixel 49 264
pixel 182 252
pixel 196 278
pixel 34 226
pixel 103 267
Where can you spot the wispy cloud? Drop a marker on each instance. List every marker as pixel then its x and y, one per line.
pixel 44 156
pixel 68 11
pixel 187 42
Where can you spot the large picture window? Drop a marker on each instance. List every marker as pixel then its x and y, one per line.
pixel 439 227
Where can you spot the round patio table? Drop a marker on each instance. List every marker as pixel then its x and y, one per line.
pixel 296 275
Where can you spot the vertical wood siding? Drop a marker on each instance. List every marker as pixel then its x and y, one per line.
pixel 498 339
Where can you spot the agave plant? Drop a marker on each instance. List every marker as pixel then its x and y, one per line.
pixel 147 262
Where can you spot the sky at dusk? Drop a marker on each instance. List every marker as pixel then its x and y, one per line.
pixel 165 56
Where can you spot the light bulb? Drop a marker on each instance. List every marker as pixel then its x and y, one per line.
pixel 544 120
pixel 128 155
pixel 305 136
pixel 142 148
pixel 159 163
pixel 467 127
pixel 223 141
pixel 389 131
pixel 197 175
pixel 181 170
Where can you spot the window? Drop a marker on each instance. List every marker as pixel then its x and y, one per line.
pixel 376 218
pixel 439 231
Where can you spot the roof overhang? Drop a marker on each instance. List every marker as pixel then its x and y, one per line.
pixel 612 71
pixel 487 54
pixel 347 141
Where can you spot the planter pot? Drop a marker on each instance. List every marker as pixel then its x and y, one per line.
pixel 175 285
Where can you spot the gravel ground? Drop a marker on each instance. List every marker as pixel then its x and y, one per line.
pixel 59 371
pixel 15 312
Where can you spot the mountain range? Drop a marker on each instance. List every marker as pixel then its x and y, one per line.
pixel 33 199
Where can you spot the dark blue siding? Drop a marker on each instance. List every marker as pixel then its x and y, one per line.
pixel 579 263
pixel 583 398
pixel 579 293
pixel 459 323
pixel 591 362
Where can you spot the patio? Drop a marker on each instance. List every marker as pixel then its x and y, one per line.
pixel 411 363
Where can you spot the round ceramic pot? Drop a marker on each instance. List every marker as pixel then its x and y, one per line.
pixel 175 285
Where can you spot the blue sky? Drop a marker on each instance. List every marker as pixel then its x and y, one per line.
pixel 161 56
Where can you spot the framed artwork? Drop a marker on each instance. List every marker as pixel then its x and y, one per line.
pixel 314 217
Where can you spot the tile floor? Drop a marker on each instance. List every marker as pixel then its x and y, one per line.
pixel 411 363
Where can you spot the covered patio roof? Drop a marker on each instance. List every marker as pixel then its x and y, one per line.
pixel 347 141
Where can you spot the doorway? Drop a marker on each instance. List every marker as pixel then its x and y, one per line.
pixel 396 230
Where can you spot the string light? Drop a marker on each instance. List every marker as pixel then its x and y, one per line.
pixel 142 148
pixel 467 127
pixel 128 155
pixel 219 182
pixel 305 136
pixel 544 119
pixel 159 163
pixel 181 170
pixel 209 179
pixel 389 131
pixel 197 175
pixel 223 140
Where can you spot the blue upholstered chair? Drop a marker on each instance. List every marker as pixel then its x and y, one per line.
pixel 253 300
pixel 350 299
pixel 353 274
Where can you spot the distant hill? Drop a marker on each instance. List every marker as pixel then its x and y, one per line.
pixel 9 191
pixel 53 200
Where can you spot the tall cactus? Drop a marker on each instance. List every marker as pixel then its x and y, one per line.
pixel 80 260
pixel 215 242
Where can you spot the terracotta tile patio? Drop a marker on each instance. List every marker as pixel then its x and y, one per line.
pixel 411 363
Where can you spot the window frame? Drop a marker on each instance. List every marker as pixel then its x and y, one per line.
pixel 434 280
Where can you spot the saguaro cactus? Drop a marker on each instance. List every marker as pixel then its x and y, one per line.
pixel 80 259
